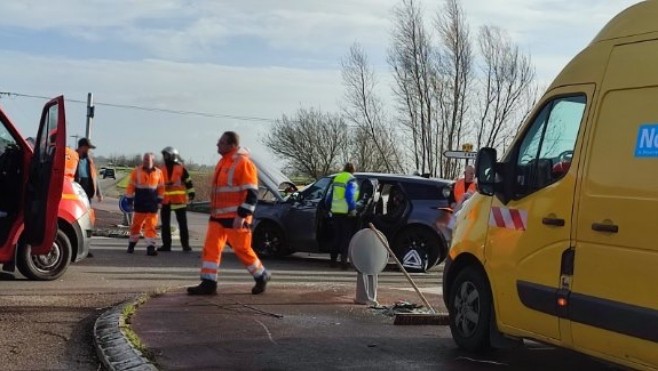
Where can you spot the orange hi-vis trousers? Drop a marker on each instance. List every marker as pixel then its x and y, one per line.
pixel 240 241
pixel 148 221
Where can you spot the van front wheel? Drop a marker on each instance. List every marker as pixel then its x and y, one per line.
pixel 470 310
pixel 45 267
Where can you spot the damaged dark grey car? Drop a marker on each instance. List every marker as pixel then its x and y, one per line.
pixel 409 210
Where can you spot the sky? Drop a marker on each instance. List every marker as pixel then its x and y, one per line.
pixel 243 63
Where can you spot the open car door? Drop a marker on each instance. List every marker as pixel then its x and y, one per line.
pixel 45 179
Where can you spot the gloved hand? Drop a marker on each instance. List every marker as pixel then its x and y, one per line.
pixel 352 213
pixel 191 196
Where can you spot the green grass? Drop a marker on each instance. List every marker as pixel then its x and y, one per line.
pixel 123 182
pixel 131 336
pixel 127 313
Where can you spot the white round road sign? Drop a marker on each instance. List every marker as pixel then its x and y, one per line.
pixel 367 253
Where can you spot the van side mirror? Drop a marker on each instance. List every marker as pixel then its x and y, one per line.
pixel 485 171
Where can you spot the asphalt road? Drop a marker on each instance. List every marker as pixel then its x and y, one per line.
pixel 48 325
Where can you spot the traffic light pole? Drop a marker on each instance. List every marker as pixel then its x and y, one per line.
pixel 90 114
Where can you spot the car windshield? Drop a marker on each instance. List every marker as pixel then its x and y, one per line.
pixel 316 191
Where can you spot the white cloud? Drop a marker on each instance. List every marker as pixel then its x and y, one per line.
pixel 185 30
pixel 180 29
pixel 262 92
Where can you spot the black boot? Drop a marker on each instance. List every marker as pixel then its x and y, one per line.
pixel 332 261
pixel 150 251
pixel 131 247
pixel 206 287
pixel 165 248
pixel 187 249
pixel 344 265
pixel 261 283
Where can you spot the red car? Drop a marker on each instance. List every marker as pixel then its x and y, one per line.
pixel 45 220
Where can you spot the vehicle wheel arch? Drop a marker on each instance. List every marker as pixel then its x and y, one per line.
pixel 462 261
pixel 69 231
pixel 442 247
pixel 270 221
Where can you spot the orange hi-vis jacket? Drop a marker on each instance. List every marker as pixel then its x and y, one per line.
pixel 177 186
pixel 146 186
pixel 71 163
pixel 460 189
pixel 234 187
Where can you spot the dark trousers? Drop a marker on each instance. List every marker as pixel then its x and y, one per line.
pixel 181 217
pixel 88 185
pixel 344 229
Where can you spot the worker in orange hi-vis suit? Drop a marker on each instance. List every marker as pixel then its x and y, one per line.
pixel 233 201
pixel 145 192
pixel 71 163
pixel 464 185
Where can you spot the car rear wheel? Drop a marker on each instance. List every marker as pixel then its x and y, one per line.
pixel 49 266
pixel 269 241
pixel 470 310
pixel 417 248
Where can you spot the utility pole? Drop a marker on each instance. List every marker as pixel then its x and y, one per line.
pixel 90 114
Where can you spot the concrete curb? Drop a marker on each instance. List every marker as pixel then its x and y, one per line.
pixel 112 347
pixel 124 232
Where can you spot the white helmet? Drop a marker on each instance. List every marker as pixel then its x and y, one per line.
pixel 170 154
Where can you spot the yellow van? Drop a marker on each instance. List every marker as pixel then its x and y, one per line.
pixel 560 244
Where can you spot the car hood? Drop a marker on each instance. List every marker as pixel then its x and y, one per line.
pixel 271 178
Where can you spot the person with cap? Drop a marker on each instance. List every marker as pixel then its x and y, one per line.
pixel 233 201
pixel 179 190
pixel 85 171
pixel 145 192
pixel 85 174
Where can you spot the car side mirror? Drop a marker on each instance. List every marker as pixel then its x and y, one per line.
pixel 485 171
pixel 296 197
pixel 447 191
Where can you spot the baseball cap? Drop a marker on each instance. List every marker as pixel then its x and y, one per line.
pixel 85 142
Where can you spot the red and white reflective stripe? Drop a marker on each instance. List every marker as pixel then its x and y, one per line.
pixel 503 217
pixel 256 269
pixel 209 271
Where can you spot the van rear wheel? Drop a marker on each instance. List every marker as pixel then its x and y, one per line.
pixel 470 311
pixel 45 267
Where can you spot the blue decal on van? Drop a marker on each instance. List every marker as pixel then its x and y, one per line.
pixel 647 141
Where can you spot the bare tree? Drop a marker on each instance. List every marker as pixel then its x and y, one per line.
pixel 507 87
pixel 311 142
pixel 455 79
pixel 410 57
pixel 373 140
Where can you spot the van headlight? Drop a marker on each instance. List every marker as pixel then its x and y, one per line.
pixel 82 195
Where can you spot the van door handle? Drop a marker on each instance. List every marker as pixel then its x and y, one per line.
pixel 557 222
pixel 610 228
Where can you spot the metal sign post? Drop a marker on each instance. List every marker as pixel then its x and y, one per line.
pixel 461 155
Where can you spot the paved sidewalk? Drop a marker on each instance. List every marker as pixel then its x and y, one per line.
pixel 290 327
